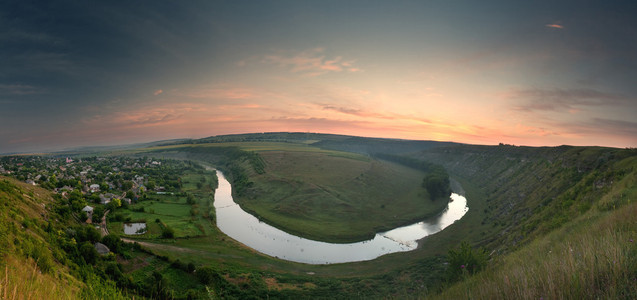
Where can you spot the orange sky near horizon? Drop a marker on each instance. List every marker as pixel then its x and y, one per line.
pixel 544 73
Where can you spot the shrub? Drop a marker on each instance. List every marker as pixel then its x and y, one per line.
pixel 167 232
pixel 465 261
pixel 207 275
pixel 112 242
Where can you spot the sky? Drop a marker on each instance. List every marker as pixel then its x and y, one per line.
pixel 538 73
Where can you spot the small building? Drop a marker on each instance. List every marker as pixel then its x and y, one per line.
pixel 106 198
pixel 102 249
pixel 88 209
pixel 89 213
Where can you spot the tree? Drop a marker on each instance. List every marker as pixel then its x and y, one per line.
pixel 207 275
pixel 190 199
pixel 437 185
pixel 88 252
pixel 127 185
pixel 167 232
pixel 76 200
pixel 113 242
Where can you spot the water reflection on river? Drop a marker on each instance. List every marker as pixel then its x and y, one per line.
pixel 247 229
pixel 134 228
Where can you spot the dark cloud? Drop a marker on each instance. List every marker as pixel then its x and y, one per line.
pixel 561 100
pixel 613 127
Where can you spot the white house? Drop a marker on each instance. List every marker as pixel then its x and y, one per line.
pixel 94 187
pixel 89 213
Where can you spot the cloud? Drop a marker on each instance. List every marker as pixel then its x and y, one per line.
pixel 602 126
pixel 370 114
pixel 555 25
pixel 312 62
pixel 144 116
pixel 560 100
pixel 220 93
pixel 19 89
pixel 157 92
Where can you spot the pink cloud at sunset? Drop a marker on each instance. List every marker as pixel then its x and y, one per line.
pixel 311 62
pixel 556 26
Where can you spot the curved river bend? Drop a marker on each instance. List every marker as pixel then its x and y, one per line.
pixel 248 230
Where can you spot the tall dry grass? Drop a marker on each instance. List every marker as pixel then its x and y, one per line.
pixel 592 259
pixel 20 279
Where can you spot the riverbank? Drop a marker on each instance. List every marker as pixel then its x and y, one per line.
pixel 249 230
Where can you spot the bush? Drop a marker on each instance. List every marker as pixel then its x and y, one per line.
pixel 167 232
pixel 207 275
pixel 465 261
pixel 88 252
pixel 113 242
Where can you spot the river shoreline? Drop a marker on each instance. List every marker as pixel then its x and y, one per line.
pixel 262 237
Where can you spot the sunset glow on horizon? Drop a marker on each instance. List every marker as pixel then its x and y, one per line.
pixel 537 74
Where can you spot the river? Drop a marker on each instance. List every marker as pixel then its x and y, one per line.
pixel 248 230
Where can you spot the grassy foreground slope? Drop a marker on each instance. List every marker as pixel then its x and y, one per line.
pixel 560 221
pixel 593 257
pixel 32 263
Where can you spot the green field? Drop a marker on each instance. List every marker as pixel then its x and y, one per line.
pixel 172 209
pixel 331 197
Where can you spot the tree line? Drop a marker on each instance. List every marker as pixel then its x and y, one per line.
pixel 436 182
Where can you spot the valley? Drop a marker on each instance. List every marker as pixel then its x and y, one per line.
pixel 522 201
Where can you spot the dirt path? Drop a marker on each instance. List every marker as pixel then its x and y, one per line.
pixel 103 228
pixel 160 246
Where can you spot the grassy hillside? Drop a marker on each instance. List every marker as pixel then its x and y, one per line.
pixel 558 222
pixel 592 257
pixel 337 198
pixel 531 191
pixel 33 265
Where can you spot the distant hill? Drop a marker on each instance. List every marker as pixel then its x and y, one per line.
pixel 356 144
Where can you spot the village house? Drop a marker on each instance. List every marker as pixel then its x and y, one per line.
pixel 106 198
pixel 89 213
pixel 102 249
pixel 94 188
